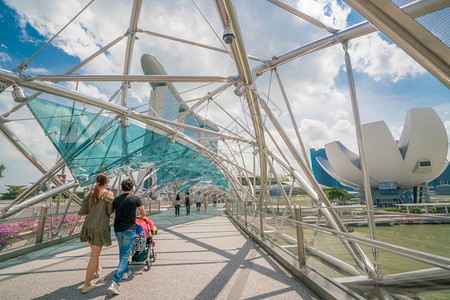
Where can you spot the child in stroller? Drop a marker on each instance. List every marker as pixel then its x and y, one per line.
pixel 143 246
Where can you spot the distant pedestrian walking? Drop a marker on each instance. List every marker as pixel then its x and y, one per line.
pixel 97 206
pixel 205 202
pixel 177 204
pixel 198 201
pixel 188 204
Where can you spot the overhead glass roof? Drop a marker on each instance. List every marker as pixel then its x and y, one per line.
pixel 435 22
pixel 92 143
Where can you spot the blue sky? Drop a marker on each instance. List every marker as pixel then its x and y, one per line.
pixel 388 82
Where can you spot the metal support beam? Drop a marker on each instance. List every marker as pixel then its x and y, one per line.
pixel 41 225
pixel 301 15
pixel 204 99
pixel 419 8
pixel 409 35
pixel 11 137
pixel 135 12
pixel 300 240
pixel 59 91
pixel 294 123
pixel 277 179
pixel 131 78
pixel 229 18
pixel 362 154
pixel 47 176
pixel 358 255
pixel 40 197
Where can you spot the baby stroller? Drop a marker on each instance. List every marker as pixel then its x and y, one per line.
pixel 143 246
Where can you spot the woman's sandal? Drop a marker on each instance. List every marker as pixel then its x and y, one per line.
pixel 88 288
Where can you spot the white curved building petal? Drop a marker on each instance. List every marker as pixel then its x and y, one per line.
pixel 344 162
pixel 418 157
pixel 423 139
pixel 385 162
pixel 325 164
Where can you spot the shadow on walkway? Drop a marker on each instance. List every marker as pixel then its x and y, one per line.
pixel 200 256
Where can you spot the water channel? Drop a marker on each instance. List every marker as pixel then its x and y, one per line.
pixel 430 238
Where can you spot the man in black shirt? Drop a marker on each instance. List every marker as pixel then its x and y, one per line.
pixel 125 229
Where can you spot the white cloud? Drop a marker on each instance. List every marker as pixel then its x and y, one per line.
pixel 396 132
pixel 382 61
pixel 4 57
pixel 339 114
pixel 317 133
pixel 443 110
pixel 18 169
pixel 329 12
pixel 88 89
pixel 83 36
pixel 45 151
pixel 37 71
pixel 5 101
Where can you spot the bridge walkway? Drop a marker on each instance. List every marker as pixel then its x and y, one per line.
pixel 200 256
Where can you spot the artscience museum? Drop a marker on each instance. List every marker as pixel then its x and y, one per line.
pixel 393 167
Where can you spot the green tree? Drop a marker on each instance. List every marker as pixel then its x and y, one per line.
pixel 13 192
pixel 336 194
pixel 2 168
pixel 284 179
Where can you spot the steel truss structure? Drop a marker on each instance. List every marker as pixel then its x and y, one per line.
pixel 251 149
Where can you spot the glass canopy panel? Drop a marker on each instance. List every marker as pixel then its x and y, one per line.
pixel 435 22
pixel 92 143
pixel 190 120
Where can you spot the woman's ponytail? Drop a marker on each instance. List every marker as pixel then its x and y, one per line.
pixel 102 179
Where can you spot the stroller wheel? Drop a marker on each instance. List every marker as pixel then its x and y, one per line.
pixel 152 256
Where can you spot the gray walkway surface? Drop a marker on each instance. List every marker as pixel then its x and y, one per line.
pixel 201 256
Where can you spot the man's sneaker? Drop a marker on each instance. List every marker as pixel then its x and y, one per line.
pixel 126 275
pixel 114 288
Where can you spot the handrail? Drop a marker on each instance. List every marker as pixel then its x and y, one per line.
pixel 435 260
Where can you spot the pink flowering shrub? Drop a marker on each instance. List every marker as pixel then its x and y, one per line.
pixel 12 232
pixel 68 220
pixel 8 231
pixel 29 224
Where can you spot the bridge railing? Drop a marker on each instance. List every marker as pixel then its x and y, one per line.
pixel 35 229
pixel 36 226
pixel 410 255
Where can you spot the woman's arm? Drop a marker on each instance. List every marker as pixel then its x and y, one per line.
pixel 74 224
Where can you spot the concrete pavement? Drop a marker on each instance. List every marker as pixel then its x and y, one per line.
pixel 200 256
